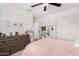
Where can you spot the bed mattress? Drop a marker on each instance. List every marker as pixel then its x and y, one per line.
pixel 50 47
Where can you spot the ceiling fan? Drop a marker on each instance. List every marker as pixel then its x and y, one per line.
pixel 45 5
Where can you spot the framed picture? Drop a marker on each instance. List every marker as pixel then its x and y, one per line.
pixel 43 28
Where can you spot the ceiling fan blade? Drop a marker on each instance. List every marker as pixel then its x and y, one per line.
pixel 36 5
pixel 45 7
pixel 56 4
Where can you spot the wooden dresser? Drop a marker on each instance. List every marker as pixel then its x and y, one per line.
pixel 12 44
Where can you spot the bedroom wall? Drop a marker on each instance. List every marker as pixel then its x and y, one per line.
pixel 66 24
pixel 48 21
pixel 13 19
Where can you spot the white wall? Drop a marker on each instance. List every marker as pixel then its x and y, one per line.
pixel 48 21
pixel 14 15
pixel 66 24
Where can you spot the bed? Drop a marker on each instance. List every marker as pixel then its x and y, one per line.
pixel 51 47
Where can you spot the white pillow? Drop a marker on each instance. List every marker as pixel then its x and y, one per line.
pixel 77 41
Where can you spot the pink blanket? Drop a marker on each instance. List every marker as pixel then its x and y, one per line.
pixel 51 47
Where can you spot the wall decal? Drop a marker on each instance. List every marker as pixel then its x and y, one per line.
pixel 7 23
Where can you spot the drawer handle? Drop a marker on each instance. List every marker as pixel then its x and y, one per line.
pixel 10 50
pixel 15 39
pixel 3 41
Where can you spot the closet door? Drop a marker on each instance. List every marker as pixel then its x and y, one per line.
pixel 67 27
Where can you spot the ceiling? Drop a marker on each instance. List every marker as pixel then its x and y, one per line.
pixel 38 10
